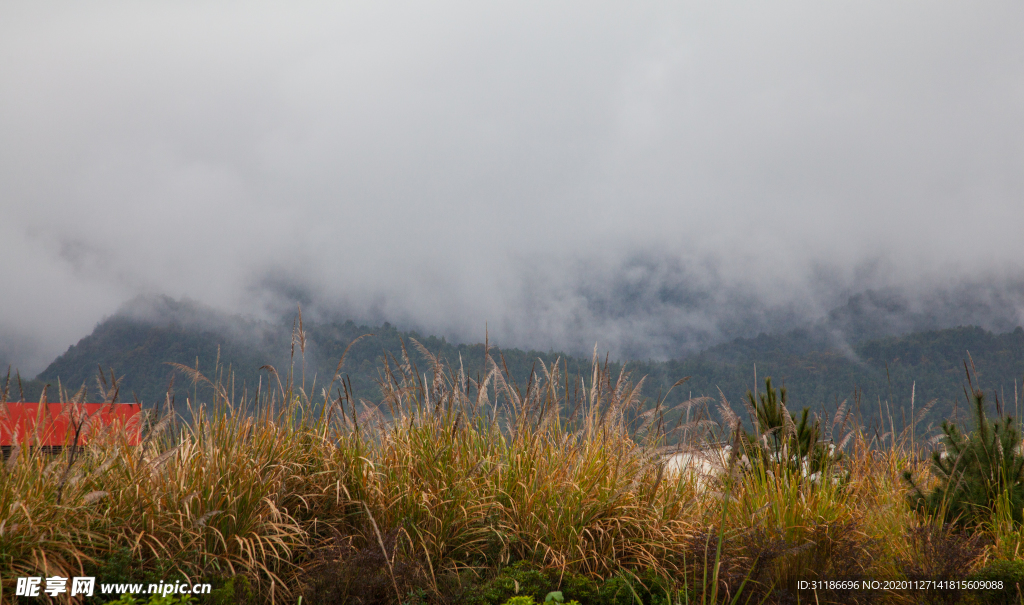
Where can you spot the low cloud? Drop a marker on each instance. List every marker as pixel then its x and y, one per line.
pixel 653 179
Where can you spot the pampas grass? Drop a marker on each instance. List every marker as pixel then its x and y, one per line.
pixel 449 478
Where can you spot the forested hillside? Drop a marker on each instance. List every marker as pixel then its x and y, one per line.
pixel 877 375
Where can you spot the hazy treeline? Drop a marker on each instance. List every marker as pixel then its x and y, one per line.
pixel 877 374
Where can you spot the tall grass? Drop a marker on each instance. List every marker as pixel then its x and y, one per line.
pixel 446 480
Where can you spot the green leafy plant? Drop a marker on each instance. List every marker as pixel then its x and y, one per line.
pixel 525 580
pixel 235 590
pixel 530 601
pixel 551 598
pixel 527 584
pixel 1010 573
pixel 121 566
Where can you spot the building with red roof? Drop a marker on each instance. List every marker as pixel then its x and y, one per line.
pixel 55 425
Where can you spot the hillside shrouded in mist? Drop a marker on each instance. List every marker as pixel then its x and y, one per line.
pixel 656 178
pixel 869 372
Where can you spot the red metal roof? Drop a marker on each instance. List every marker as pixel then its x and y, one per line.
pixel 54 424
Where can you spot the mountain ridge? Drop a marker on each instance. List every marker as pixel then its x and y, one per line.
pixel 818 370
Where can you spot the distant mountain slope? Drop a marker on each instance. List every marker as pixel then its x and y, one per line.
pixel 814 372
pixel 931 363
pixel 140 352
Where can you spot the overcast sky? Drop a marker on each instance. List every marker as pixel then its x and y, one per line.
pixel 533 166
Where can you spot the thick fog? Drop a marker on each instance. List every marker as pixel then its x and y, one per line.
pixel 650 177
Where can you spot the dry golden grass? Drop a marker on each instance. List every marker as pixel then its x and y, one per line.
pixel 450 477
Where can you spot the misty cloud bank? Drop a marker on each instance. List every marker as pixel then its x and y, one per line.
pixel 648 308
pixel 653 179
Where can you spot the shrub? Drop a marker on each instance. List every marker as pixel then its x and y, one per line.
pixel 526 583
pixel 1010 573
pixel 975 471
pixel 121 566
pixel 346 573
pixel 941 552
pixel 523 580
pixel 780 438
pixel 552 598
pixel 236 590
